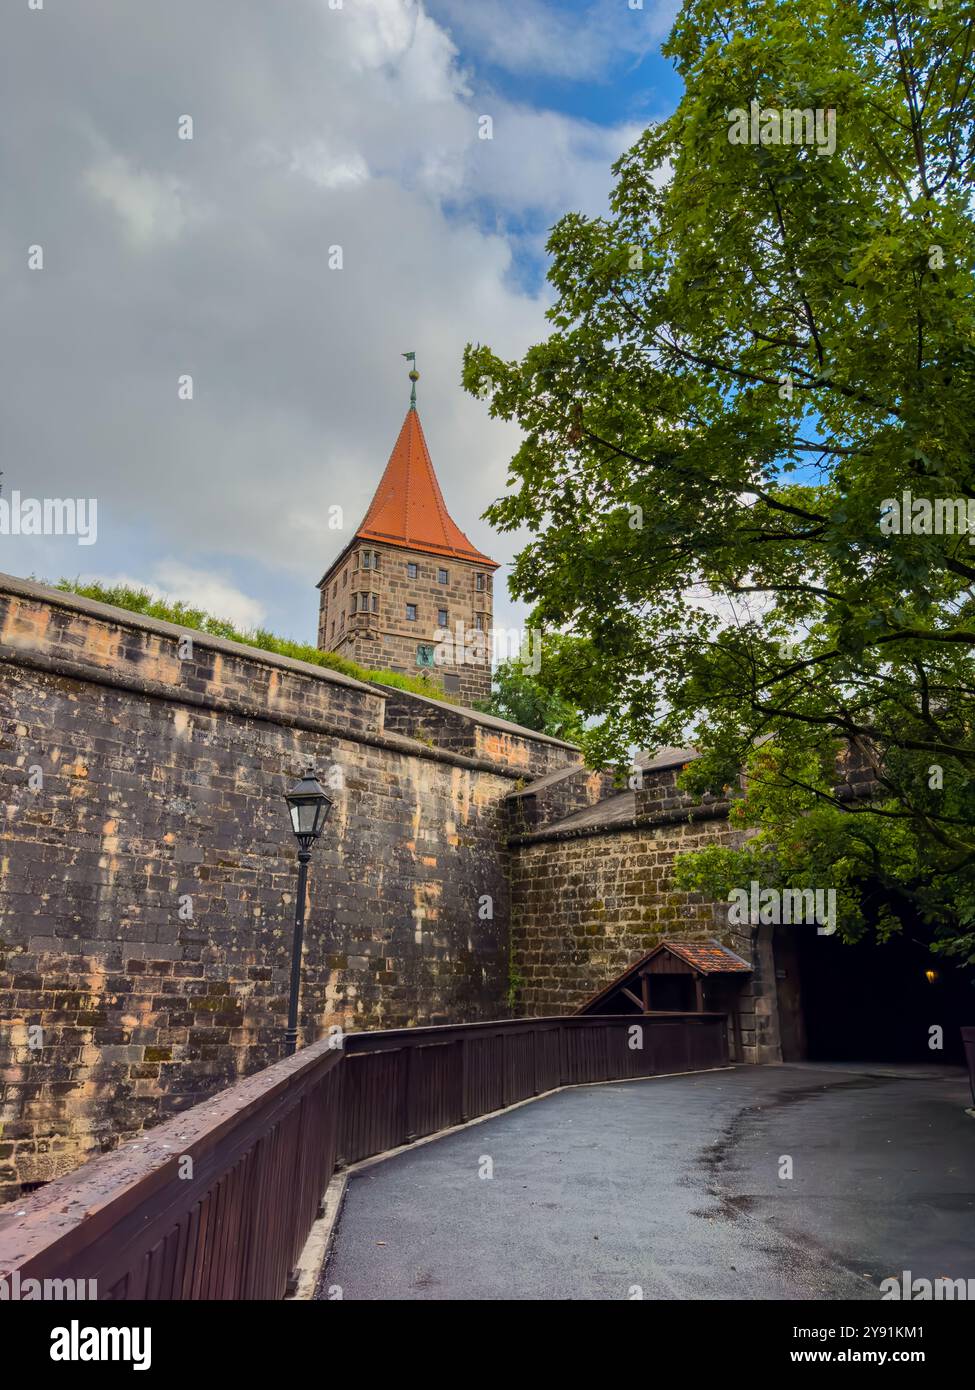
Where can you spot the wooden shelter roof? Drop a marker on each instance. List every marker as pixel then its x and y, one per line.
pixel 701 958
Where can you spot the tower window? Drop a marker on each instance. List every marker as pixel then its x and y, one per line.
pixel 355 603
pixel 345 578
pixel 442 576
pixel 367 560
pixel 333 627
pixel 375 603
pixel 442 617
pixel 479 583
pixel 411 570
pixel 479 622
pixel 411 612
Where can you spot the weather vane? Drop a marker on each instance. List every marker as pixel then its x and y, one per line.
pixel 414 377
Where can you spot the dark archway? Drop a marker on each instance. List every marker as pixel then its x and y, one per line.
pixel 873 1002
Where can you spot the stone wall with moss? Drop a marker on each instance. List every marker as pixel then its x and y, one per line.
pixel 147 868
pixel 588 902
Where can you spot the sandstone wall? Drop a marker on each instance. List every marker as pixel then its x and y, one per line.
pixel 147 869
pixel 588 902
pixel 383 638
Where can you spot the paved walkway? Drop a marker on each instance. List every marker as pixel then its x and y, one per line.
pixel 673 1186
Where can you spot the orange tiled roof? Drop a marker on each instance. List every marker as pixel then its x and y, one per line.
pixel 708 957
pixel 408 508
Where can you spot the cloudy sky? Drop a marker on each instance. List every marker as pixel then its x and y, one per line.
pixel 316 124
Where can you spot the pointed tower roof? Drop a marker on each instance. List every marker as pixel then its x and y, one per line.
pixel 408 508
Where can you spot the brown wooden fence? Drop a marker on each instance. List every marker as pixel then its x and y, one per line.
pixel 217 1202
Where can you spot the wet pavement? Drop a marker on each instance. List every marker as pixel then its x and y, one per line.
pixel 678 1188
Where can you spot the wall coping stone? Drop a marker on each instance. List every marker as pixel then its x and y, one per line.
pixel 550 779
pixel 715 810
pixel 490 721
pixel 124 617
pixel 33 592
pixel 711 810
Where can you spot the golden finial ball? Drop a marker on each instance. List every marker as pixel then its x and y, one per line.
pixel 414 375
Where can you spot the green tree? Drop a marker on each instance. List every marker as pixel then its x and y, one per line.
pixel 753 358
pixel 522 697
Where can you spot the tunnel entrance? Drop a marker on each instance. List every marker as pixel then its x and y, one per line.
pixel 869 1002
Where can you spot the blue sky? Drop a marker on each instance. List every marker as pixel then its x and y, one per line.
pixel 313 127
pixel 596 62
pixel 589 59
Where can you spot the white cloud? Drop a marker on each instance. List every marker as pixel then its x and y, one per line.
pixel 174 582
pixel 531 36
pixel 313 127
pixel 150 207
pixel 317 163
pixel 543 159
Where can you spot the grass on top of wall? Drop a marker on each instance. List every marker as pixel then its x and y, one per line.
pixel 183 614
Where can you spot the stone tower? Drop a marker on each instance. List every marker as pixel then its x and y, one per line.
pixel 410 592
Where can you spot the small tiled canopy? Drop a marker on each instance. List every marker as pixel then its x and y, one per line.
pixel 705 956
pixel 698 958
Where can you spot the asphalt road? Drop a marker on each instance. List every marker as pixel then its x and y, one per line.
pixel 673 1187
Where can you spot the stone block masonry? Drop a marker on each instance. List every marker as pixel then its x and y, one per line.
pixel 593 893
pixel 377 633
pixel 147 871
pixel 147 868
pixel 479 735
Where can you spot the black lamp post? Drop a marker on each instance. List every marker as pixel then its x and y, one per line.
pixel 309 808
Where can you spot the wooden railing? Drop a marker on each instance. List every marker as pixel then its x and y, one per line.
pixel 217 1202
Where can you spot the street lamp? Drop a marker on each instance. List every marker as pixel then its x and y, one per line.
pixel 309 808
